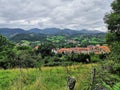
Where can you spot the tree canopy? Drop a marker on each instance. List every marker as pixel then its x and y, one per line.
pixel 113 22
pixel 113 37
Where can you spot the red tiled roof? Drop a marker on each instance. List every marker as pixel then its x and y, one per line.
pixel 97 49
pixel 105 48
pixel 72 49
pixel 62 50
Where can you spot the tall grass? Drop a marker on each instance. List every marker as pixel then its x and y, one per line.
pixel 49 78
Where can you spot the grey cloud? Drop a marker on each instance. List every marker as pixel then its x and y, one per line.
pixel 76 14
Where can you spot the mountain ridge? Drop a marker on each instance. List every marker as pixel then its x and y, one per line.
pixel 9 32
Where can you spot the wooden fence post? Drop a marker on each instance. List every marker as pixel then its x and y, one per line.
pixel 93 78
pixel 71 83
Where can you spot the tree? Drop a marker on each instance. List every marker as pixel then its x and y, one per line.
pixel 106 74
pixel 5 51
pixel 113 37
pixel 5 43
pixel 45 49
pixel 113 22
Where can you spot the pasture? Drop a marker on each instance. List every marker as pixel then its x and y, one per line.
pixel 46 78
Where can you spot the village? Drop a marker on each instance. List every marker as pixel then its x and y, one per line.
pixel 97 49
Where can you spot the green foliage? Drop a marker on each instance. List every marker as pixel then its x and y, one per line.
pixel 29 37
pixel 113 21
pixel 88 39
pixel 116 6
pixel 23 48
pixel 115 57
pixel 115 86
pixel 113 37
pixel 5 52
pixel 16 56
pixel 45 49
pixel 95 58
pixel 103 78
pixel 55 39
pixel 5 44
pixel 115 54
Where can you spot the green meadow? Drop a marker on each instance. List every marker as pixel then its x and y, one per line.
pixel 46 78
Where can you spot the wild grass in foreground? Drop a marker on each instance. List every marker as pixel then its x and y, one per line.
pixel 48 78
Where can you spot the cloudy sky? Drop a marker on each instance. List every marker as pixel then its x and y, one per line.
pixel 72 14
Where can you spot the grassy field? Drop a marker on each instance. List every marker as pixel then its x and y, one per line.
pixel 48 78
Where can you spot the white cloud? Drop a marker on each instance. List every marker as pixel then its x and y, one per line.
pixel 75 14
